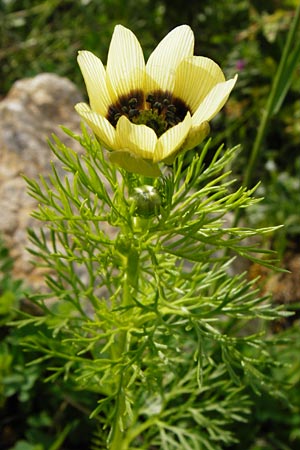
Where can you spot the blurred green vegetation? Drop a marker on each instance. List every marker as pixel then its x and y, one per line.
pixel 247 37
pixel 34 415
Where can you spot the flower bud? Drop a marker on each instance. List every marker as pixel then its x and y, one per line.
pixel 146 200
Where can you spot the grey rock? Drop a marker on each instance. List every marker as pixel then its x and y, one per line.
pixel 33 110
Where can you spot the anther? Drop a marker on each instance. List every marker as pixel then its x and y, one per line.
pixel 153 124
pixel 124 109
pixel 158 106
pixel 171 108
pixel 170 114
pixel 117 117
pixel 133 113
pixel 171 122
pixel 150 99
pixel 132 103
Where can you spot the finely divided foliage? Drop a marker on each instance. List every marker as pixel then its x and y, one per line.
pixel 146 311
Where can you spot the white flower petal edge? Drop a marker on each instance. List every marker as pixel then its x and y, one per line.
pixel 172 139
pixel 164 60
pixel 99 124
pixel 213 102
pixel 195 77
pixel 138 139
pixel 125 63
pixel 94 76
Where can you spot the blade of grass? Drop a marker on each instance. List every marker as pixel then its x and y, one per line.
pixel 279 89
pixel 280 86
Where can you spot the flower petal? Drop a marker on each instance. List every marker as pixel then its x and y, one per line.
pixel 138 139
pixel 99 124
pixel 125 63
pixel 94 76
pixel 196 136
pixel 163 61
pixel 172 139
pixel 213 102
pixel 195 77
pixel 135 164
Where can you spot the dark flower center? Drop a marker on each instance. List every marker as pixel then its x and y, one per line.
pixel 159 111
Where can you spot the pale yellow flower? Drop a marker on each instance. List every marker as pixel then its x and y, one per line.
pixel 147 113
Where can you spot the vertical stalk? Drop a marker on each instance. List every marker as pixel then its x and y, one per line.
pixel 116 438
pixel 121 346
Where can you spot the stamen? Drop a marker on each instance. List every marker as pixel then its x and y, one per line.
pixel 133 103
pixel 171 108
pixel 154 125
pixel 150 99
pixel 132 113
pixel 126 103
pixel 160 111
pixel 158 106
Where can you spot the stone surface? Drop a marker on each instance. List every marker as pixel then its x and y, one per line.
pixel 33 110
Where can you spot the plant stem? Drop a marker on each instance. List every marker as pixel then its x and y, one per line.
pixel 121 347
pixel 116 442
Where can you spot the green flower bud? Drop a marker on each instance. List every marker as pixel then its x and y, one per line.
pixel 146 200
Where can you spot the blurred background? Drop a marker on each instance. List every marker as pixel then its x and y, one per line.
pixel 248 37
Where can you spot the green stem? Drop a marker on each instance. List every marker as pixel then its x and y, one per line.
pixel 120 348
pixel 117 437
